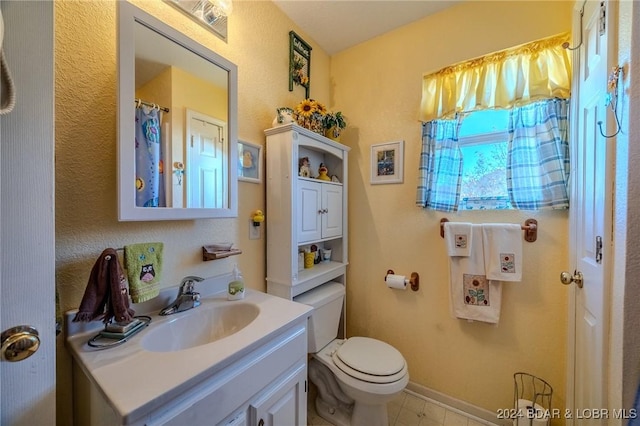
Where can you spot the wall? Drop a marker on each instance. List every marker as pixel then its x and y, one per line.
pixel 85 105
pixel 624 347
pixel 377 84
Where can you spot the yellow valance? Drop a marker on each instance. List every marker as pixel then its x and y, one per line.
pixel 536 70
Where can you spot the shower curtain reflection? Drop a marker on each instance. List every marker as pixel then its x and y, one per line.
pixel 149 158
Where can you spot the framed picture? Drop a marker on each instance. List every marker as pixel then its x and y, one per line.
pixel 299 63
pixel 249 162
pixel 387 162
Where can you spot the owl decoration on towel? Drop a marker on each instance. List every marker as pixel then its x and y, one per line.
pixel 147 273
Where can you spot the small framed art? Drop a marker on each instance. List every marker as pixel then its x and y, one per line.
pixel 387 162
pixel 249 162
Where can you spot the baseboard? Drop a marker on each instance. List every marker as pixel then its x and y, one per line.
pixel 464 407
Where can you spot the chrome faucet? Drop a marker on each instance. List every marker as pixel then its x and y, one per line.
pixel 186 299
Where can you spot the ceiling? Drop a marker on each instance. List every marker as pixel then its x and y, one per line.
pixel 339 24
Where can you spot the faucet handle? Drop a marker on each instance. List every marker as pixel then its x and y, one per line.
pixel 186 286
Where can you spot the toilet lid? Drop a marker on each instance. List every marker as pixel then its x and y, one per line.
pixel 370 360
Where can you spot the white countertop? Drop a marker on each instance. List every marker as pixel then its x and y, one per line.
pixel 135 381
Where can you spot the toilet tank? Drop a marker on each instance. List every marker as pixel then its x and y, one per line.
pixel 327 301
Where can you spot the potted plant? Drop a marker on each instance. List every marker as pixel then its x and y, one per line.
pixel 334 123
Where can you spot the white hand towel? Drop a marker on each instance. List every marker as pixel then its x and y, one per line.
pixel 473 296
pixel 502 251
pixel 457 236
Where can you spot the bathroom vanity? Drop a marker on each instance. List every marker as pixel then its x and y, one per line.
pixel 255 375
pixel 304 211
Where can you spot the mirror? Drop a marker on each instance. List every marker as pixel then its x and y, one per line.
pixel 177 124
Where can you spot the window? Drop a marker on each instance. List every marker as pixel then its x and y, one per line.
pixel 483 140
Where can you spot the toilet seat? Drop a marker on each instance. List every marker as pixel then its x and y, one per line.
pixel 370 360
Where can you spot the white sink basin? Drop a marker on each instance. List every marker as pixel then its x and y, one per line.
pixel 199 326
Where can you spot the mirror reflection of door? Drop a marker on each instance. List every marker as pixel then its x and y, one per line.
pixel 206 161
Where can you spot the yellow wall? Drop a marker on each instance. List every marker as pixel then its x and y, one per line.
pixel 377 85
pixel 86 203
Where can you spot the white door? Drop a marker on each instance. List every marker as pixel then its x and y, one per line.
pixel 331 211
pixel 590 219
pixel 27 248
pixel 206 162
pixel 309 211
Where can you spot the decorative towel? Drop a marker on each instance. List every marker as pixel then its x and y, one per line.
pixel 473 296
pixel 106 293
pixel 457 236
pixel 144 266
pixel 502 251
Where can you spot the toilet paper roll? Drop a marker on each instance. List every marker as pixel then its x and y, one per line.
pixel 530 415
pixel 396 281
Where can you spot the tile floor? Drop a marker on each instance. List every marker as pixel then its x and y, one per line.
pixel 410 409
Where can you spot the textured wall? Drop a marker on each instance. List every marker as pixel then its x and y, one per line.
pixel 378 86
pixel 86 203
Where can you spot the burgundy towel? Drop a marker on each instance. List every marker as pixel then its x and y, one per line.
pixel 106 294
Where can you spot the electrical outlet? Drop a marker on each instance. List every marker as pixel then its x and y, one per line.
pixel 254 231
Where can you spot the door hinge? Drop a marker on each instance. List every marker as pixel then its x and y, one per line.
pixel 603 18
pixel 598 249
pixel 191 141
pixel 305 386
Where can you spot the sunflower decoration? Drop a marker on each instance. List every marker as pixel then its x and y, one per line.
pixel 309 114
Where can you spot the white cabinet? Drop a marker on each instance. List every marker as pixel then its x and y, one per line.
pixel 303 212
pixel 320 210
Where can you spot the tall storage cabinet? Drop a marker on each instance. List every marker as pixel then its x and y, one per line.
pixel 303 211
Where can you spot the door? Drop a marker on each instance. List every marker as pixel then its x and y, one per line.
pixel 332 211
pixel 206 162
pixel 590 218
pixel 309 211
pixel 27 252
pixel 284 403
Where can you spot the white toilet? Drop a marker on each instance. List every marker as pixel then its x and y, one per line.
pixel 356 377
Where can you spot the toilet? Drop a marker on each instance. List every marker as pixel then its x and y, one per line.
pixel 356 377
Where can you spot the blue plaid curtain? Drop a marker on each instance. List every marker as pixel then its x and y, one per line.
pixel 538 157
pixel 440 171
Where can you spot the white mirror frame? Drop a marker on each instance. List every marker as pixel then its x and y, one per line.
pixel 128 15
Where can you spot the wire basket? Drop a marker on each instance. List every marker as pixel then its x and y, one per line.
pixel 532 400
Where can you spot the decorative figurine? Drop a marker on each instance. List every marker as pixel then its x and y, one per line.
pixel 323 172
pixel 304 167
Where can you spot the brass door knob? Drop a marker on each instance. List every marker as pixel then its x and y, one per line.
pixel 567 278
pixel 19 343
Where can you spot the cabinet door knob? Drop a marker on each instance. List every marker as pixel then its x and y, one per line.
pixel 320 212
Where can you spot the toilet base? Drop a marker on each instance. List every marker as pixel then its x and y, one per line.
pixel 338 416
pixel 369 415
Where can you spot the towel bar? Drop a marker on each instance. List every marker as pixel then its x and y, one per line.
pixel 530 229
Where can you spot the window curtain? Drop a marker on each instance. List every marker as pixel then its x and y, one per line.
pixel 537 70
pixel 538 156
pixel 440 170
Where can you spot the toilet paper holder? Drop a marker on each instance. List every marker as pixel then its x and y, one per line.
pixel 414 279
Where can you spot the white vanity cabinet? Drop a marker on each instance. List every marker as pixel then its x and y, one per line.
pixel 255 376
pixel 302 212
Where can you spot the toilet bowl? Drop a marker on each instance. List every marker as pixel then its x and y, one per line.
pixel 356 377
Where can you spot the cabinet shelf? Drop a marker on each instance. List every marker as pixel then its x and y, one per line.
pixel 319 269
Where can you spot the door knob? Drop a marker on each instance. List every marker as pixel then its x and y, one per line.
pixel 567 278
pixel 19 343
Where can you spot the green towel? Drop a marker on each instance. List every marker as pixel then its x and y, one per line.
pixel 144 267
